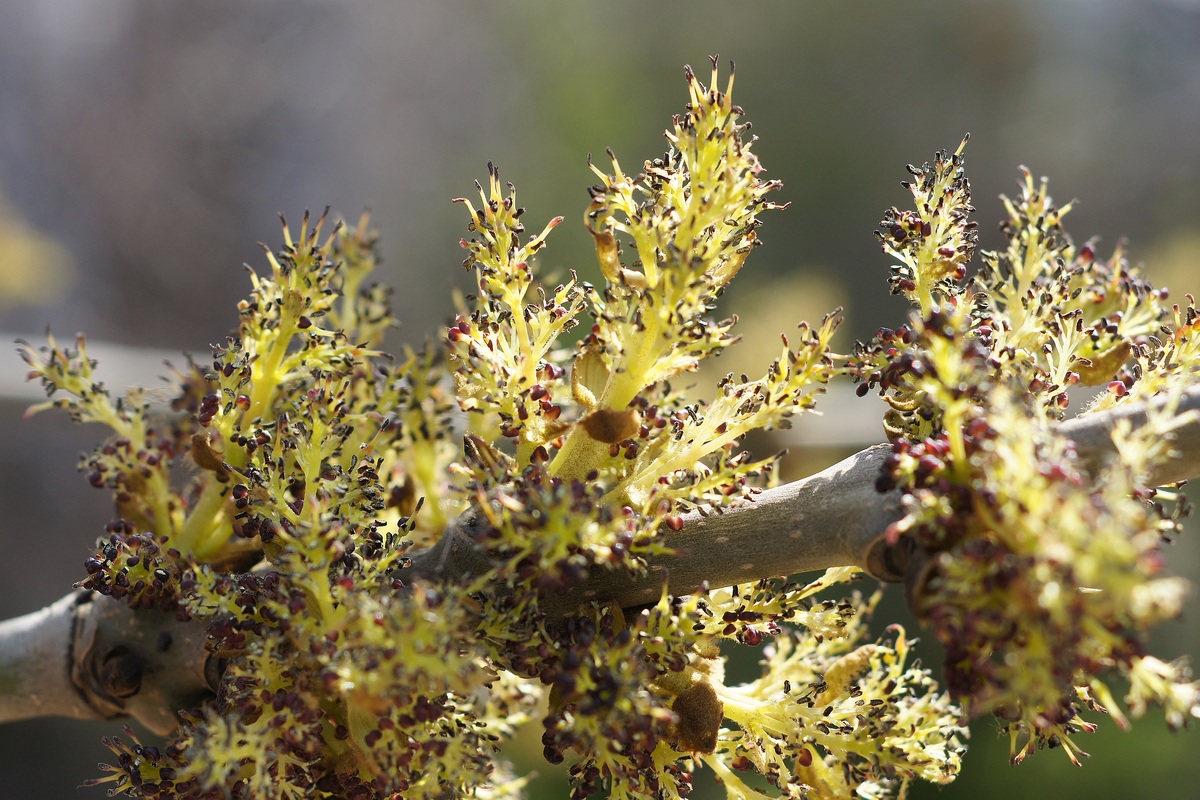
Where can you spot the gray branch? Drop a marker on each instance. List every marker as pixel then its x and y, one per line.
pixel 92 658
pixel 89 657
pixel 831 519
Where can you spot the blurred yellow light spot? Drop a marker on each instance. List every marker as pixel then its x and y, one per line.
pixel 34 269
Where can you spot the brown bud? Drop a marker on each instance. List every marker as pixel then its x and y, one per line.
pixel 699 713
pixel 205 455
pixel 609 425
pixel 1101 367
pixel 120 672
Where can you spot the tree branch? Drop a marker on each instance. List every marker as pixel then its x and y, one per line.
pixel 88 657
pixel 834 518
pixel 35 664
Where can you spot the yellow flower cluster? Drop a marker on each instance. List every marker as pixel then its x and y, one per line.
pixel 540 442
pixel 1042 568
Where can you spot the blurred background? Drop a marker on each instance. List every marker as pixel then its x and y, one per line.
pixel 145 147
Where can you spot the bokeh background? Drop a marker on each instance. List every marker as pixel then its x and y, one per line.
pixel 145 147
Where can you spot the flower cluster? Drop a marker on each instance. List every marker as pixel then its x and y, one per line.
pixel 1041 578
pixel 584 458
pixel 319 470
pixel 332 496
pixel 832 715
pixel 310 459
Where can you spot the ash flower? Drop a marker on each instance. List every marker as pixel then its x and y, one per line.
pixel 692 220
pixel 1042 578
pixel 934 241
pixel 322 473
pixel 837 717
pixel 320 465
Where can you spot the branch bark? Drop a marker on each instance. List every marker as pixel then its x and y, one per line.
pixel 86 656
pixel 831 519
pixel 89 657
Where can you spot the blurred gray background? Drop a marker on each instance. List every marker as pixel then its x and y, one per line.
pixel 145 147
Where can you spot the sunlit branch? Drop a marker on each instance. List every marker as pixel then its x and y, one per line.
pixel 88 657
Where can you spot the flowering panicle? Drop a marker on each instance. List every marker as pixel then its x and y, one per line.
pixel 605 455
pixel 604 450
pixel 751 613
pixel 933 241
pixel 318 466
pixel 325 479
pixel 500 350
pixel 1041 577
pixel 1062 316
pixel 134 464
pixel 644 700
pixel 312 459
pixel 691 219
pixel 1162 362
pixel 837 717
pixel 604 706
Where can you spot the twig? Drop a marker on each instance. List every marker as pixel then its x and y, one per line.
pixel 834 518
pixel 88 657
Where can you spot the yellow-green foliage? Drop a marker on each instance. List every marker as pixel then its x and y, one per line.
pixel 1043 576
pixel 319 467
